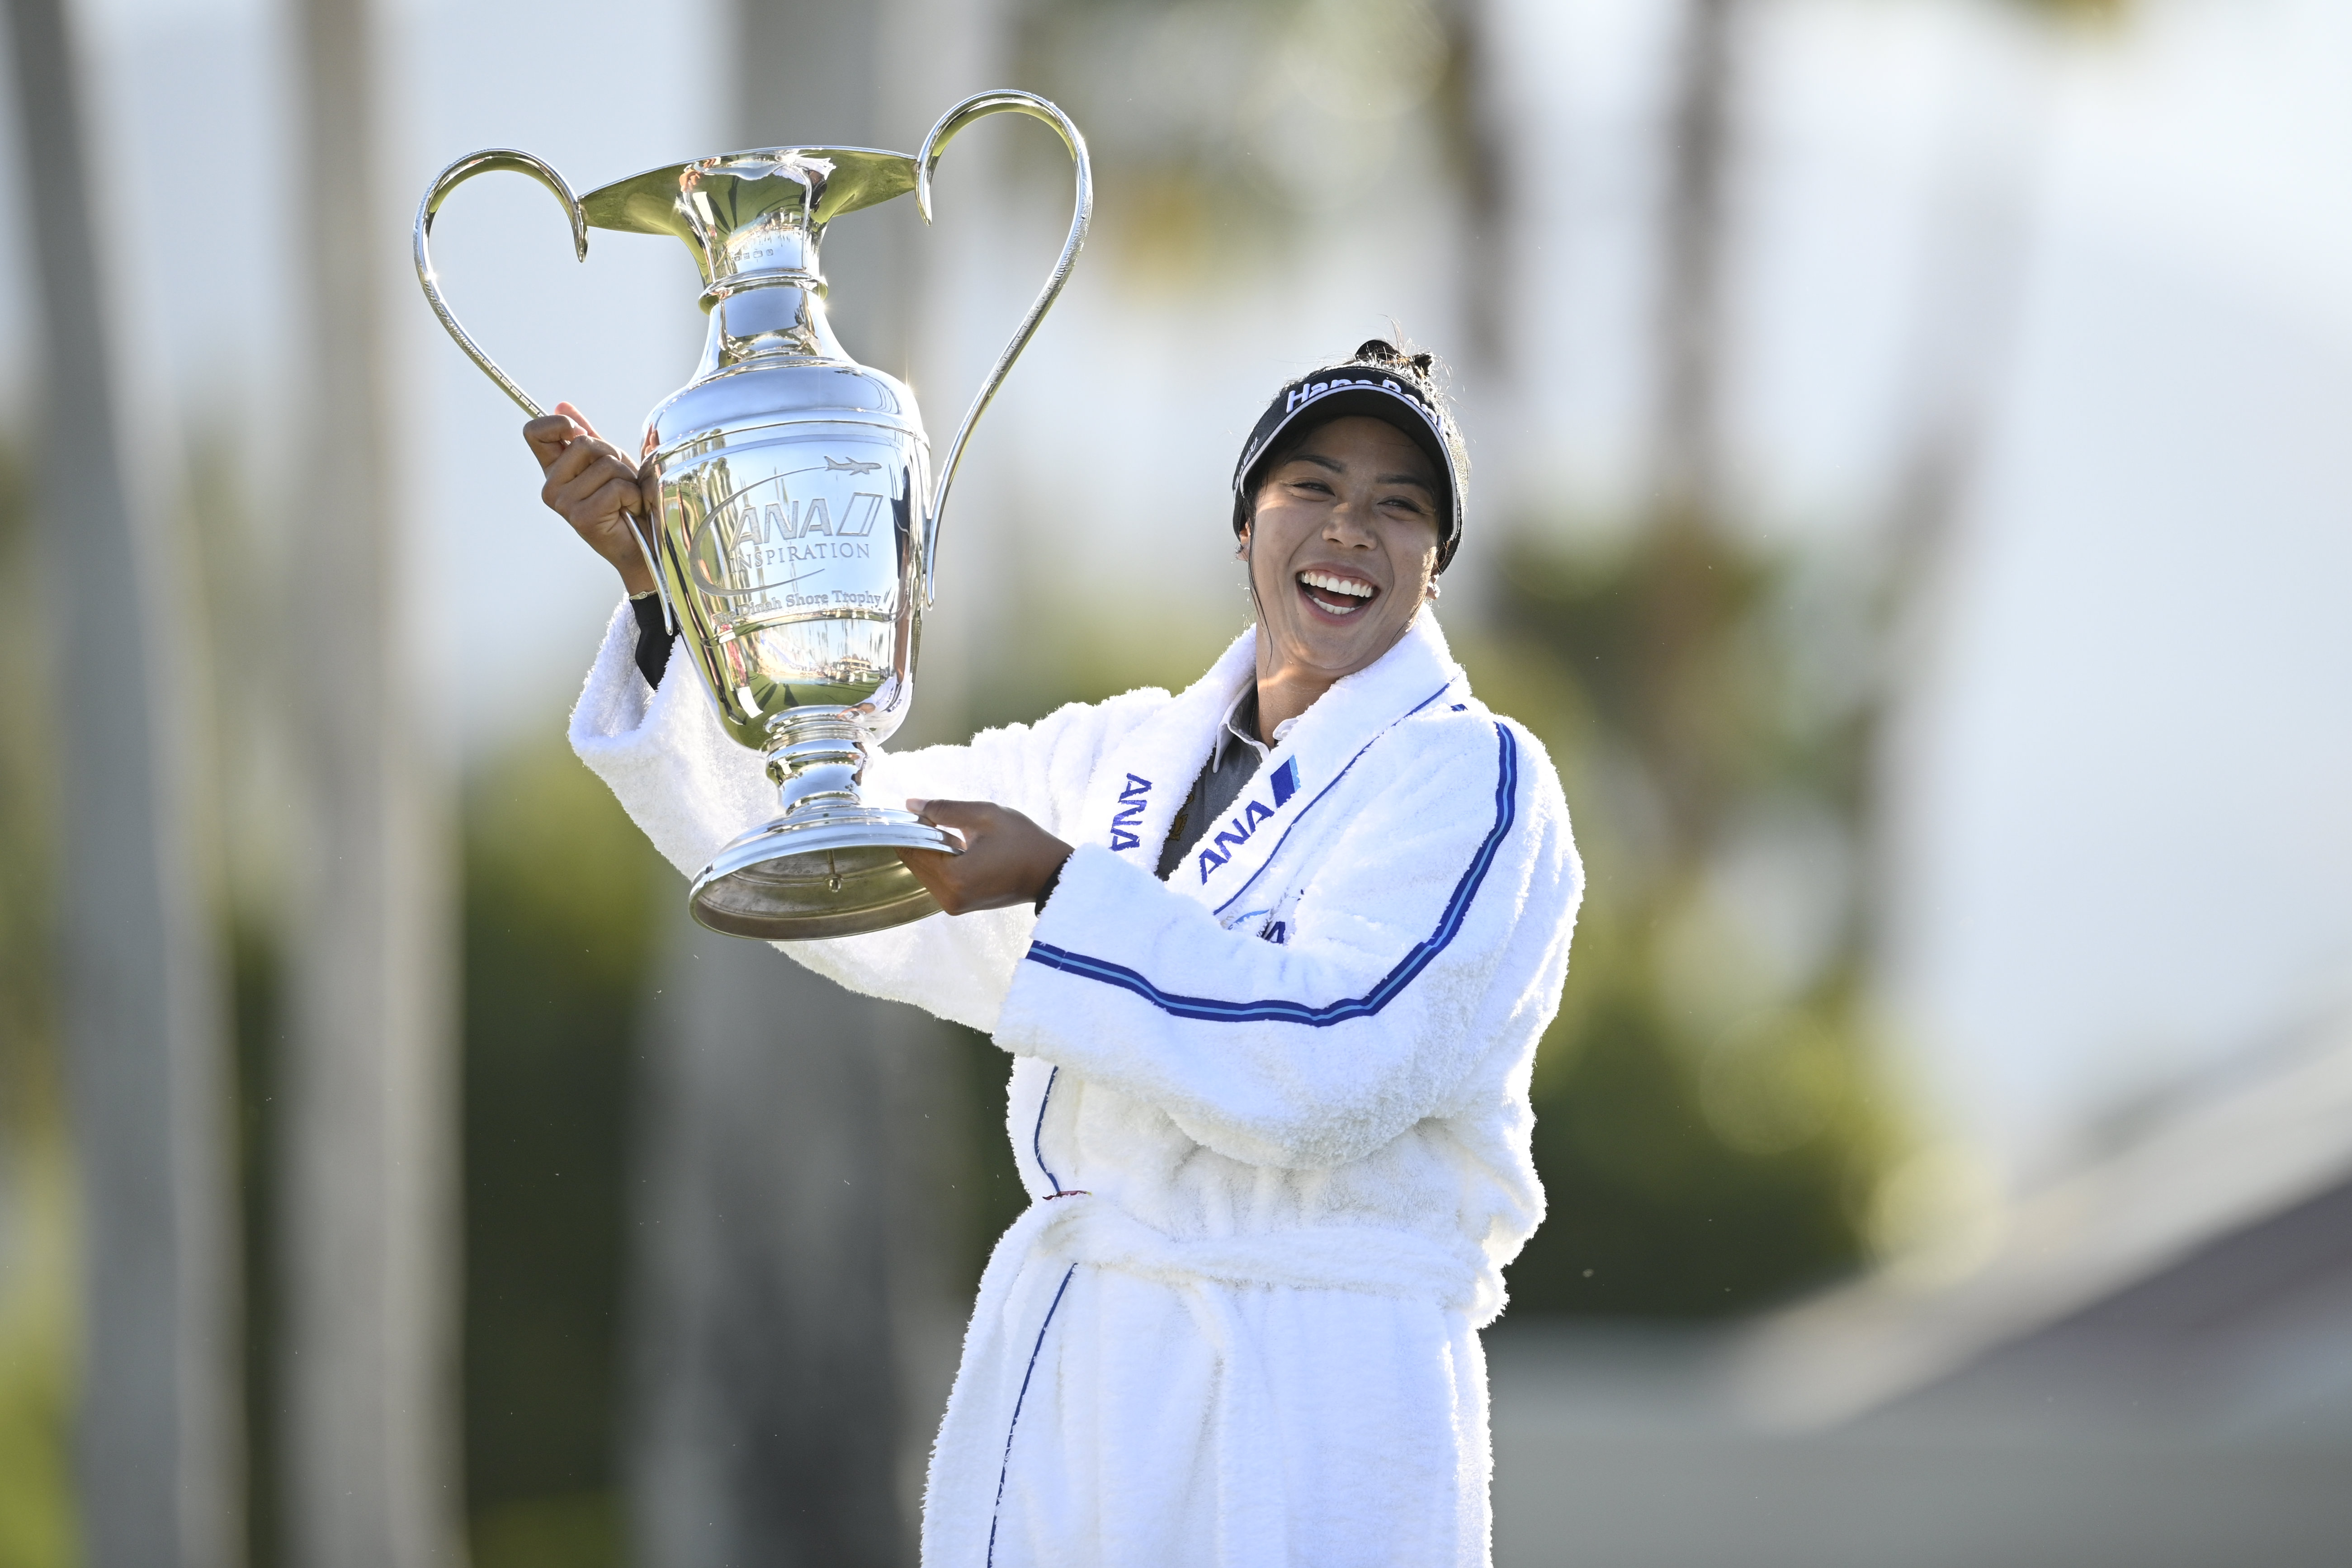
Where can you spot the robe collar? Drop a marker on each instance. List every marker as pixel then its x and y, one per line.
pixel 1148 773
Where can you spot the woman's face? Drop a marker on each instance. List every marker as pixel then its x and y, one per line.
pixel 1342 546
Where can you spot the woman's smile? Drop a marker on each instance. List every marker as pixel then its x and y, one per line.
pixel 1336 592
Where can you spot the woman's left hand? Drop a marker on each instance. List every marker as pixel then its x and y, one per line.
pixel 1007 858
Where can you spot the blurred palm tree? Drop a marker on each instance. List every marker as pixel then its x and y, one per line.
pixel 1708 1124
pixel 1222 127
pixel 1715 1120
pixel 156 1435
pixel 1714 1110
pixel 36 1512
pixel 366 1183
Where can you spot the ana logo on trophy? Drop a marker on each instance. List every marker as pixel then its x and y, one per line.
pixel 782 530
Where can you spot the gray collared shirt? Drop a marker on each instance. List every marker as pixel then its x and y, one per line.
pixel 1232 761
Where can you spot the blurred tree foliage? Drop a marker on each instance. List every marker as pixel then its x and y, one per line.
pixel 558 904
pixel 1219 123
pixel 36 1294
pixel 233 686
pixel 1709 1124
pixel 560 897
pixel 2080 12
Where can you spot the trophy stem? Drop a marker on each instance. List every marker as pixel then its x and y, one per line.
pixel 815 762
pixel 828 866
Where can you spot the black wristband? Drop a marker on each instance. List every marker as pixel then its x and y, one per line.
pixel 1052 882
pixel 654 637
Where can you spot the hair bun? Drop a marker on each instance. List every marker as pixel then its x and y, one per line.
pixel 1380 351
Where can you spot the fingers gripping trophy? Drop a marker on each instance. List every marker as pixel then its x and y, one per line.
pixel 795 530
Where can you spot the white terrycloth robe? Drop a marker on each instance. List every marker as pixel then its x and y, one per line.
pixel 1272 1114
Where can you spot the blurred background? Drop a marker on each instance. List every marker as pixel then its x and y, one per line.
pixel 1909 497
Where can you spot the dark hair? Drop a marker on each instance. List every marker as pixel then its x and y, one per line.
pixel 1388 356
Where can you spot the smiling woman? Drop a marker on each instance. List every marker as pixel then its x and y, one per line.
pixel 1271 957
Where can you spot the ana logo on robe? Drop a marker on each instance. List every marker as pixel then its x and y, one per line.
pixel 1129 814
pixel 1231 837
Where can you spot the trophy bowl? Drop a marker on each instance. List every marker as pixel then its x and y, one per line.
pixel 795 527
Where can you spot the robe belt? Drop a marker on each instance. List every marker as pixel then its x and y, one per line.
pixel 1079 1227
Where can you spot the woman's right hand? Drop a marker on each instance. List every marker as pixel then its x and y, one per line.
pixel 592 487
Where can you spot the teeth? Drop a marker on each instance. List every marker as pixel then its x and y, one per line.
pixel 1331 585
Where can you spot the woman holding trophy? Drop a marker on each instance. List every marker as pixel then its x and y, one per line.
pixel 1271 957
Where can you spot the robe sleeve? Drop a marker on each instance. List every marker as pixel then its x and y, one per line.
pixel 691 789
pixel 958 967
pixel 1442 912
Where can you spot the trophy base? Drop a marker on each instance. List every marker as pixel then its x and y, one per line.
pixel 821 873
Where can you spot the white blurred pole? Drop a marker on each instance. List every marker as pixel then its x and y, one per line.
pixel 369 1437
pixel 157 1434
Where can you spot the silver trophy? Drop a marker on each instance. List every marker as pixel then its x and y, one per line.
pixel 798 527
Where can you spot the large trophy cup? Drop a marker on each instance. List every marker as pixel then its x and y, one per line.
pixel 797 525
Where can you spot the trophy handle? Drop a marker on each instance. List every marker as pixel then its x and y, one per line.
pixel 979 107
pixel 492 160
pixel 485 162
